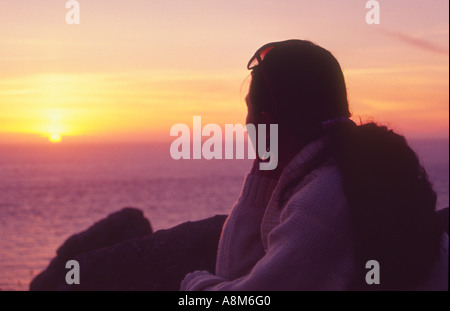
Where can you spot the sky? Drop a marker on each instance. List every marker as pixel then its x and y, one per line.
pixel 132 69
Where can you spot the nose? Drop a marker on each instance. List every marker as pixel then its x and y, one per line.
pixel 247 100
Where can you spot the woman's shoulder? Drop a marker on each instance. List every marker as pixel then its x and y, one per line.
pixel 320 193
pixel 322 181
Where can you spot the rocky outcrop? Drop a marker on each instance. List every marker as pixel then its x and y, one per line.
pixel 443 218
pixel 157 261
pixel 128 223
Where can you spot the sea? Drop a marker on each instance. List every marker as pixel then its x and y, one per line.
pixel 48 193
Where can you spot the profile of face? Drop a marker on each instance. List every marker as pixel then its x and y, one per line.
pixel 250 113
pixel 255 118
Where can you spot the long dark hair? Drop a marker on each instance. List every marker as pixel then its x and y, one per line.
pixel 391 201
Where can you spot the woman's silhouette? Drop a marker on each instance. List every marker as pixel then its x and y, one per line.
pixel 342 194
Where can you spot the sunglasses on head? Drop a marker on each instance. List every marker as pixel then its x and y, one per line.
pixel 262 52
pixel 259 57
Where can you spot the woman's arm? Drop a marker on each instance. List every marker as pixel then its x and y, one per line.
pixel 240 244
pixel 309 250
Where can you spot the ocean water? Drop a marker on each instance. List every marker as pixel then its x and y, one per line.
pixel 48 193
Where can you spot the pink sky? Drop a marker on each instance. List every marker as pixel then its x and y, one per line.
pixel 132 69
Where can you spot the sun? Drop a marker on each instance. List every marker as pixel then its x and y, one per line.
pixel 55 138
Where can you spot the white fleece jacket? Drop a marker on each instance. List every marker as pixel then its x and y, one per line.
pixel 306 245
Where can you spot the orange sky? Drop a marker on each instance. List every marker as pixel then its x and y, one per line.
pixel 132 69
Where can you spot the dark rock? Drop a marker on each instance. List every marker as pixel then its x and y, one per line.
pixel 156 262
pixel 126 224
pixel 118 227
pixel 443 218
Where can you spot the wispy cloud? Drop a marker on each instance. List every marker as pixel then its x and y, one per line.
pixel 414 41
pixel 394 70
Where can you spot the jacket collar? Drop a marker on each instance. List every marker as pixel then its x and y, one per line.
pixel 296 167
